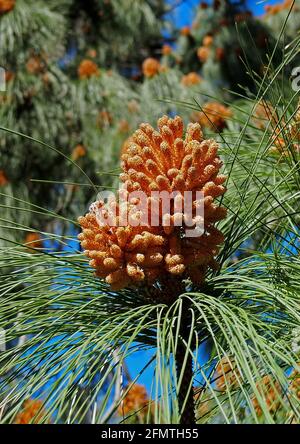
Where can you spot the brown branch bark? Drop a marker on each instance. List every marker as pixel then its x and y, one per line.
pixel 186 392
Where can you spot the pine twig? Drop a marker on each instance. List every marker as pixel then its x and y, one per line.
pixel 184 369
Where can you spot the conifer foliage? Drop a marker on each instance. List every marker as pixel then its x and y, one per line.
pixel 107 94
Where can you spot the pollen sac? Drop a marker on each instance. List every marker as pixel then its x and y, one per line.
pixel 158 229
pixel 213 116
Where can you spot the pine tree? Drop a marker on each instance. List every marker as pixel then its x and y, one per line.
pixel 222 41
pixel 71 323
pixel 276 15
pixel 65 89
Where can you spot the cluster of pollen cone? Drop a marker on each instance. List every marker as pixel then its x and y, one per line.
pixel 130 248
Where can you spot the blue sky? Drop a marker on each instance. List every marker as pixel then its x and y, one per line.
pixel 183 14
